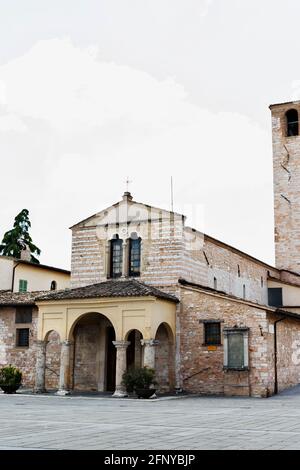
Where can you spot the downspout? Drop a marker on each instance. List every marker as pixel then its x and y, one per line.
pixel 275 356
pixel 13 276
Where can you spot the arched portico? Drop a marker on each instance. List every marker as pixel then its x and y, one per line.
pixel 165 358
pixel 94 358
pixel 52 366
pixel 134 350
pixel 95 335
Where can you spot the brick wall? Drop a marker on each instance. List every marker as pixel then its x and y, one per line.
pixel 202 369
pixel 288 355
pixel 164 360
pixel 23 358
pixel 53 350
pixel 162 252
pixel 286 170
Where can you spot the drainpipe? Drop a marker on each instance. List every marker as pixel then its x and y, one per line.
pixel 13 276
pixel 275 356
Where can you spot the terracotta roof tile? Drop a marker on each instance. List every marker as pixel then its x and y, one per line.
pixel 112 288
pixel 8 298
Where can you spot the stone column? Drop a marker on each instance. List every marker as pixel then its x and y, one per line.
pixel 40 366
pixel 64 372
pixel 120 367
pixel 149 352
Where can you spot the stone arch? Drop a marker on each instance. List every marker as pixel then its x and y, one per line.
pixel 52 359
pixel 134 352
pixel 126 336
pixel 168 330
pixel 165 357
pixel 109 318
pixel 93 362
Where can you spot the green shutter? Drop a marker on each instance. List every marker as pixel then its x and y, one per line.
pixel 22 285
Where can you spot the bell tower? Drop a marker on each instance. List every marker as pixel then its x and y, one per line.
pixel 286 174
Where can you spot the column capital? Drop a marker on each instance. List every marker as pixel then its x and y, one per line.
pixel 149 342
pixel 121 344
pixel 66 343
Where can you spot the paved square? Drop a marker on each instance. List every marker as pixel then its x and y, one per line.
pixel 49 422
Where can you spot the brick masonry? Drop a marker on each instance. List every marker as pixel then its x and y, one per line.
pixel 286 171
pixel 202 370
pixel 164 360
pixel 23 358
pixel 53 350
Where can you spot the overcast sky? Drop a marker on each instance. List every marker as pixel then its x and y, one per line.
pixel 94 90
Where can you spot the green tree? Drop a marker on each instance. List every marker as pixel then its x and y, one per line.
pixel 18 239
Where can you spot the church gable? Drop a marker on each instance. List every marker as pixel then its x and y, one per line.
pixel 128 239
pixel 128 211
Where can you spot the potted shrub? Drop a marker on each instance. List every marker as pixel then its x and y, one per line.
pixel 141 381
pixel 10 379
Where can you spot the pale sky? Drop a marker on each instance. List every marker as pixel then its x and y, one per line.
pixel 93 91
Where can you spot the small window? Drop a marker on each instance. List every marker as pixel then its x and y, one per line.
pixel 275 296
pixel 134 257
pixel 116 257
pixel 244 291
pixel 212 333
pixel 292 122
pixel 215 283
pixel 53 285
pixel 22 337
pixel 262 282
pixel 239 271
pixel 23 315
pixel 236 348
pixel 23 285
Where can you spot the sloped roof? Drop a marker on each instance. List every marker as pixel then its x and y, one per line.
pixel 35 265
pixel 8 298
pixel 112 288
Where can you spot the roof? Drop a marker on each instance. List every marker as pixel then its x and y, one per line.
pixel 284 103
pixel 112 288
pixel 36 265
pixel 280 281
pixel 278 311
pixel 221 293
pixel 8 298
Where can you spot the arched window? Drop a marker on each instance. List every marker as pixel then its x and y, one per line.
pixel 134 256
pixel 292 125
pixel 215 283
pixel 53 285
pixel 116 257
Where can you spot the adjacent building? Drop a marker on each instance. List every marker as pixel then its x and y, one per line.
pixel 20 282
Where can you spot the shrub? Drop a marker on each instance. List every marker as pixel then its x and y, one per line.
pixel 139 378
pixel 10 376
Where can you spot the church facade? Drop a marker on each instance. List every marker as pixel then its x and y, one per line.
pixel 147 290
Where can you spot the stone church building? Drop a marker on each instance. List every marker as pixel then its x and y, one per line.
pixel 146 289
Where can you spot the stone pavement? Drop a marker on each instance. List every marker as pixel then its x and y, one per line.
pixel 50 422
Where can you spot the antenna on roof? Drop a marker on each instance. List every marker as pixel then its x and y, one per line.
pixel 127 181
pixel 172 195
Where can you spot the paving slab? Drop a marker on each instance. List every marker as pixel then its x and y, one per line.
pixel 190 422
